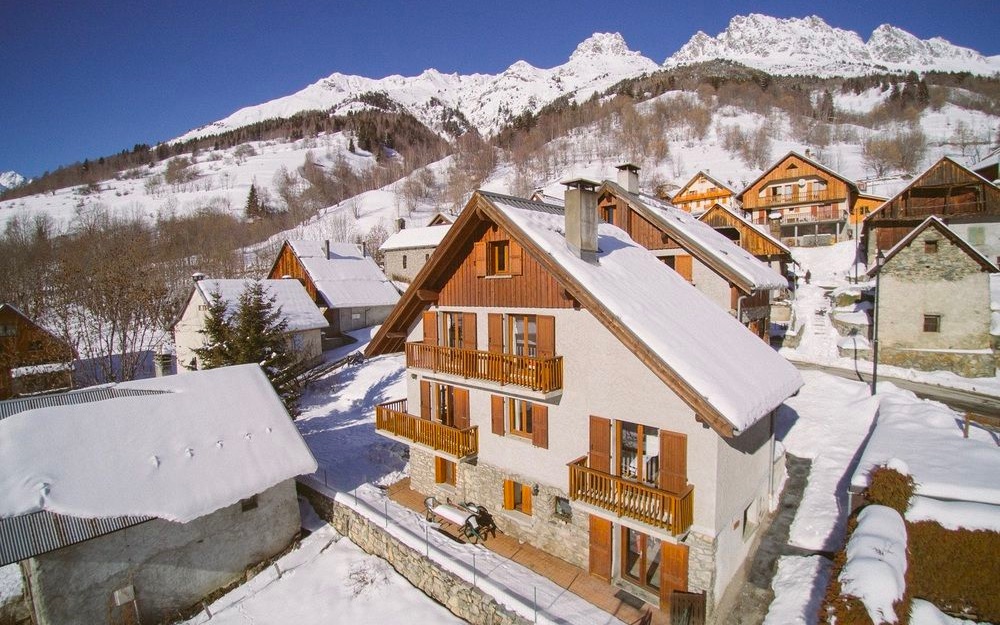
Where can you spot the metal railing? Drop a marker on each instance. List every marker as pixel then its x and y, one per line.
pixel 539 374
pixel 393 418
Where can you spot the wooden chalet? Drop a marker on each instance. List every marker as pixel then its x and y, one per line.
pixel 595 403
pixel 760 243
pixel 32 359
pixel 801 201
pixel 989 167
pixel 701 193
pixel 968 203
pixel 441 219
pixel 716 265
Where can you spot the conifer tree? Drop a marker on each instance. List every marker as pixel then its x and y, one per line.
pixel 254 209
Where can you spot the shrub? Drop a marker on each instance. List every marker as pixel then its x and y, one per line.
pixel 888 487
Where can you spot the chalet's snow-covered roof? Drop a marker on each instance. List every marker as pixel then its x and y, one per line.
pixel 758 228
pixel 410 238
pixel 733 370
pixel 347 278
pixel 198 442
pixel 296 305
pixel 702 240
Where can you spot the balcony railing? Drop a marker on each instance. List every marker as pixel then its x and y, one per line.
pixel 801 197
pixel 393 418
pixel 539 374
pixel 707 195
pixel 671 511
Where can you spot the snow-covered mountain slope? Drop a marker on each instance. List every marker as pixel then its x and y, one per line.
pixel 11 179
pixel 811 46
pixel 487 101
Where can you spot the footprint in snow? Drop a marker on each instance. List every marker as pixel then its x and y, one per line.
pixel 189 452
pixel 218 444
pixel 155 461
pixel 248 436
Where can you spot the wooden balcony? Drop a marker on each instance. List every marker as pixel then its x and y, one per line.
pixel 392 418
pixel 801 197
pixel 673 512
pixel 538 374
pixel 707 195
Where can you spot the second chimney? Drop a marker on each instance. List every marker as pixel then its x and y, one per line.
pixel 581 217
pixel 628 177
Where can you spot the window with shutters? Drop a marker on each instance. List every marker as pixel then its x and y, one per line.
pixel 639 453
pixel 453 329
pixel 517 496
pixel 444 471
pixel 498 258
pixel 519 417
pixel 522 335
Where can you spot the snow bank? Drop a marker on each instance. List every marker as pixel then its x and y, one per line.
pixel 876 562
pixel 798 588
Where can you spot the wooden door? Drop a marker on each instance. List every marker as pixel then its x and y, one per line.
pixel 673 570
pixel 599 457
pixel 600 548
pixel 673 461
pixel 461 396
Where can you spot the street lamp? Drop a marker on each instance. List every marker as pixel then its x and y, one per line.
pixel 879 261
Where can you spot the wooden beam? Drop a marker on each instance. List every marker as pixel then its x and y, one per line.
pixel 427 295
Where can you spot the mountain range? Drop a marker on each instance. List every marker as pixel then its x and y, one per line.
pixel 10 179
pixel 805 46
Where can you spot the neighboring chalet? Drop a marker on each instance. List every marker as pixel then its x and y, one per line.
pixel 968 203
pixel 727 274
pixel 343 280
pixel 596 403
pixel 405 253
pixel 441 219
pixel 803 202
pixel 131 502
pixel 760 243
pixel 703 192
pixel 32 359
pixel 302 335
pixel 989 167
pixel 934 303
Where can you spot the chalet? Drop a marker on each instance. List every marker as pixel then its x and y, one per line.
pixel 756 240
pixel 405 253
pixel 441 219
pixel 728 275
pixel 305 321
pixel 802 201
pixel 968 203
pixel 602 408
pixel 989 167
pixel 32 359
pixel 130 502
pixel 703 192
pixel 346 284
pixel 934 303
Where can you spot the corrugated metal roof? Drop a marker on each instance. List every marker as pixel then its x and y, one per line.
pixel 13 406
pixel 30 535
pixel 520 202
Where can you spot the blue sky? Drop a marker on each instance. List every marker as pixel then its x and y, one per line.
pixel 85 79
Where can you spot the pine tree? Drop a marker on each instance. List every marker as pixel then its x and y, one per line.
pixel 215 351
pixel 254 209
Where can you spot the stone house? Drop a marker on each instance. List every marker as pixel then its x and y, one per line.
pixel 32 359
pixel 305 321
pixel 602 408
pixel 934 303
pixel 131 502
pixel 702 192
pixel 405 253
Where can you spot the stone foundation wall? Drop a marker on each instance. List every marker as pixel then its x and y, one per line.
pixel 965 365
pixel 456 594
pixel 701 566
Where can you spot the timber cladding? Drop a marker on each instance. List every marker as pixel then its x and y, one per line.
pixel 791 169
pixel 288 264
pixel 750 238
pixel 643 231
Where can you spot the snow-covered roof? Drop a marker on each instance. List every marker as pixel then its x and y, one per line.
pixel 410 238
pixel 938 223
pixel 704 242
pixel 347 278
pixel 758 228
pixel 296 305
pixel 52 367
pixel 730 368
pixel 991 159
pixel 198 442
pixel 702 174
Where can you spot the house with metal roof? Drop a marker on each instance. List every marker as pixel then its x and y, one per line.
pixel 134 501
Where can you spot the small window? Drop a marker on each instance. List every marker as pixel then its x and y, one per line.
pixel 202 307
pixel 977 235
pixel 250 503
pixel 751 516
pixel 608 213
pixel 932 323
pixel 427 257
pixel 498 258
pixel 519 417
pixel 444 471
pixel 8 330
pixel 404 261
pixel 563 509
pixel 930 246
pixel 517 496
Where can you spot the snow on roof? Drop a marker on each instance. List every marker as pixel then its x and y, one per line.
pixel 52 367
pixel 927 438
pixel 409 238
pixel 760 229
pixel 296 305
pixel 876 562
pixel 991 159
pixel 210 439
pixel 695 233
pixel 736 372
pixel 347 278
pixel 936 222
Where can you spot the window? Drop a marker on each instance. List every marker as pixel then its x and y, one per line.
pixel 519 417
pixel 932 323
pixel 8 330
pixel 522 337
pixel 641 559
pixel 608 213
pixel 498 258
pixel 977 235
pixel 427 257
pixel 444 471
pixel 563 509
pixel 517 496
pixel 453 328
pixel 639 453
pixel 250 503
pixel 930 246
pixel 445 405
pixel 35 346
pixel 404 261
pixel 750 517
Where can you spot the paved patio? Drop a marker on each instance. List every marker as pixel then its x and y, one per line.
pixel 609 598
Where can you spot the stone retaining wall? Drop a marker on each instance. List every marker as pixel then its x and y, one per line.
pixel 450 590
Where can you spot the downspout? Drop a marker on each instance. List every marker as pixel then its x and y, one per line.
pixel 739 307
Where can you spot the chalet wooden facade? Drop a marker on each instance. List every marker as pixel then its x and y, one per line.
pixel 965 201
pixel 703 192
pixel 533 391
pixel 32 359
pixel 757 241
pixel 801 201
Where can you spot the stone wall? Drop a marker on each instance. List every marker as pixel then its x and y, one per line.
pixel 967 365
pixel 459 596
pixel 701 565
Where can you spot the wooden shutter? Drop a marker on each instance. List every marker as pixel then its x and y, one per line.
pixel 469 330
pixel 508 495
pixel 673 570
pixel 425 399
pixel 516 262
pixel 599 458
pixel 430 328
pixel 546 336
pixel 438 470
pixel 495 330
pixel 525 499
pixel 480 258
pixel 461 408
pixel 600 548
pixel 540 426
pixel 673 461
pixel 496 406
pixel 683 266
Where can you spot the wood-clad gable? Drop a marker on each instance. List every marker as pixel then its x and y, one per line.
pixel 946 190
pixel 288 264
pixel 745 235
pixel 23 343
pixel 792 169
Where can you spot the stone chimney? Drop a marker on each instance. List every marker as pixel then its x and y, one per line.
pixel 581 217
pixel 628 177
